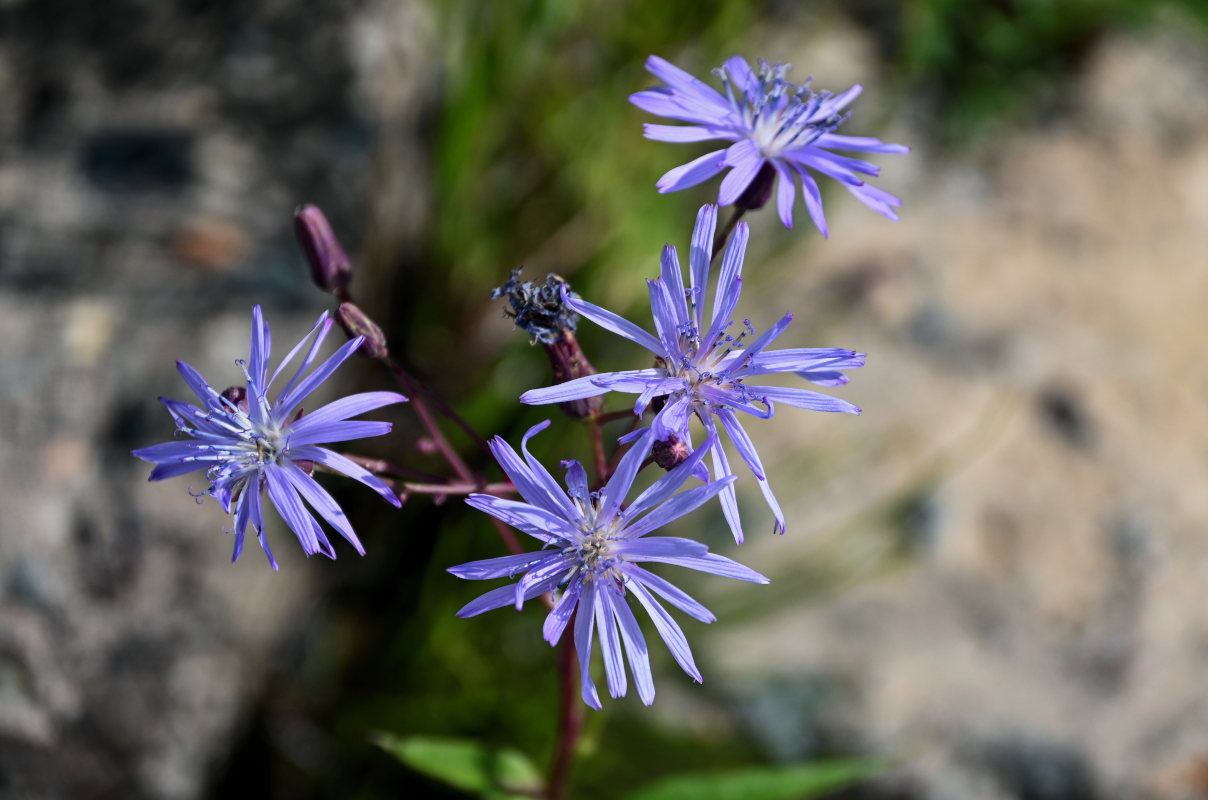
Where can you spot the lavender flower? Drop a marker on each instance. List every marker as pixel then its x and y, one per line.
pixel 591 556
pixel 248 444
pixel 779 129
pixel 703 371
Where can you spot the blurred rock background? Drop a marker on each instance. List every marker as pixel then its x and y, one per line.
pixel 992 576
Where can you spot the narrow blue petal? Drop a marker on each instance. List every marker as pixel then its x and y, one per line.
pixel 659 547
pixel 339 463
pixel 560 502
pixel 635 643
pixel 610 642
pixel 321 328
pixel 826 163
pixel 522 476
pixel 721 470
pixel 813 200
pixel 746 160
pixel 614 492
pixel 729 283
pixel 585 622
pixel 676 507
pixel 672 418
pixel 684 83
pixel 558 617
pixel 286 501
pixel 667 485
pixel 576 481
pixel 672 280
pixel 671 593
pixel 877 199
pixel 668 629
pixel 634 380
pixel 549 573
pixel 345 408
pixel 182 451
pixel 503 567
pixel 655 389
pixel 205 393
pixel 342 431
pixel 680 133
pixel 575 389
pixel 802 359
pixel 533 520
pixel 746 449
pixel 172 470
pixel 666 320
pixel 714 564
pixel 786 193
pixel 868 144
pixel 740 73
pixel 611 322
pixel 804 398
pixel 662 102
pixel 290 400
pixel 699 170
pixel 701 255
pixel 321 501
pixel 500 597
pixel 261 346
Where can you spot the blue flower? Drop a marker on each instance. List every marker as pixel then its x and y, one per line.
pixel 779 129
pixel 248 444
pixel 701 370
pixel 593 548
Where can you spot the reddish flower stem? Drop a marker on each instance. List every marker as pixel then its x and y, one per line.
pixel 597 449
pixel 570 716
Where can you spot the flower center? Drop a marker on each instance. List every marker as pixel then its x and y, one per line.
pixel 708 363
pixel 777 114
pixel 594 553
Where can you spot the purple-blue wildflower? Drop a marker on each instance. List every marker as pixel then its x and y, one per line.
pixel 777 127
pixel 703 370
pixel 593 548
pixel 248 444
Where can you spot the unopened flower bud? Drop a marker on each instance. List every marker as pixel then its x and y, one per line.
pixel 355 323
pixel 670 452
pixel 236 396
pixel 759 190
pixel 329 266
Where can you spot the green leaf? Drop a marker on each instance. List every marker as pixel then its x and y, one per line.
pixel 797 782
pixel 490 772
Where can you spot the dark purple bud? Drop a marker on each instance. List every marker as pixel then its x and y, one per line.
pixel 756 195
pixel 236 396
pixel 568 363
pixel 670 452
pixel 355 323
pixel 329 266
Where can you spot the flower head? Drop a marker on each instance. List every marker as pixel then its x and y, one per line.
pixel 248 444
pixel 702 369
pixel 780 130
pixel 592 555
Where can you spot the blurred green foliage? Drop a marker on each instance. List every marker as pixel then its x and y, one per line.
pixel 991 62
